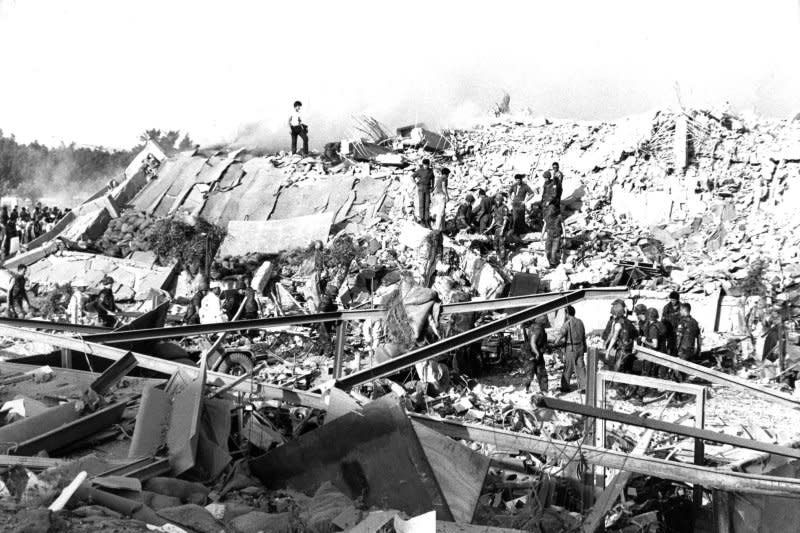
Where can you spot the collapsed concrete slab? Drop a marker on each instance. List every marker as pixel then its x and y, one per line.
pixel 274 236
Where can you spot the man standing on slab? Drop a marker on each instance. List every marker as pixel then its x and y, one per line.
pixel 423 177
pixel 298 128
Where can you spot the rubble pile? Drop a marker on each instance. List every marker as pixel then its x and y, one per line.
pixel 263 430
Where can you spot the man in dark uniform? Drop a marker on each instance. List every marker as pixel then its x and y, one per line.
pixel 465 220
pixel 483 212
pixel 552 234
pixel 232 299
pixel 466 360
pixel 640 310
pixel 193 309
pixel 519 193
pixel 671 316
pixel 534 347
pixel 621 340
pixel 18 295
pixel 500 223
pixel 551 191
pixel 573 337
pixel 106 304
pixel 687 337
pixel 423 177
pixel 655 337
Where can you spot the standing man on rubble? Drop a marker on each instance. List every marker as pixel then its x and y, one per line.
pixel 687 338
pixel 671 315
pixel 423 177
pixel 211 306
pixel 440 198
pixel 534 347
pixel 557 175
pixel 552 234
pixel 655 337
pixel 483 212
pixel 551 192
pixel 500 221
pixel 573 337
pixel 75 308
pixel 298 128
pixel 640 310
pixel 18 294
pixel 519 193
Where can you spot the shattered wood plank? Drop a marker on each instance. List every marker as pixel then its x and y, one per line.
pixel 164 366
pixel 715 376
pixel 31 463
pixel 649 466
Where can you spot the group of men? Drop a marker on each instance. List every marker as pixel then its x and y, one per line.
pixel 675 333
pixel 495 215
pixel 26 224
pixel 210 304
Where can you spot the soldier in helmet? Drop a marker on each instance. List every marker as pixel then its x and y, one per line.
pixel 687 337
pixel 621 340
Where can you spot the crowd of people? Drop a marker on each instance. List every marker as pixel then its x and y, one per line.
pixel 505 216
pixel 25 224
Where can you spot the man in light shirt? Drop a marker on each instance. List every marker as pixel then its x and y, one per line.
pixel 298 128
pixel 75 307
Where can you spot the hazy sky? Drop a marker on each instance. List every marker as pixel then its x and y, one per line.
pixel 100 72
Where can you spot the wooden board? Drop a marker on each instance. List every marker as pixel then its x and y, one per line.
pixel 459 471
pixel 374 455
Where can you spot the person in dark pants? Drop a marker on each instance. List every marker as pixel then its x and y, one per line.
pixel 500 221
pixel 465 220
pixel 483 212
pixel 298 128
pixel 573 337
pixel 655 337
pixel 687 338
pixel 620 344
pixel 551 191
pixel 534 347
pixel 18 295
pixel 553 234
pixel 423 177
pixel 106 304
pixel 519 193
pixel 671 316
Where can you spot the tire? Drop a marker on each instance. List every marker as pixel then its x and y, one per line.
pixel 236 363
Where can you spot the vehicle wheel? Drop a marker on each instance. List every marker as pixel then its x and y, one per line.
pixel 236 363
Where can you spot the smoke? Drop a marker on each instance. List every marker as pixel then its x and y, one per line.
pixel 60 183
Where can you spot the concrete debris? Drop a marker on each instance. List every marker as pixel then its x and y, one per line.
pixel 378 380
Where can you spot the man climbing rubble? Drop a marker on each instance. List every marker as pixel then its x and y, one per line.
pixel 519 193
pixel 483 212
pixel 572 337
pixel 18 294
pixel 552 234
pixel 534 347
pixel 465 220
pixel 424 178
pixel 298 128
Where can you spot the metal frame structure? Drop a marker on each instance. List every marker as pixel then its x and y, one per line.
pixel 699 392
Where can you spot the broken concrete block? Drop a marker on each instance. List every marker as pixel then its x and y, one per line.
pixel 192 516
pixel 260 522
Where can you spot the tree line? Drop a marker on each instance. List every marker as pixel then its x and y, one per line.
pixel 28 169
